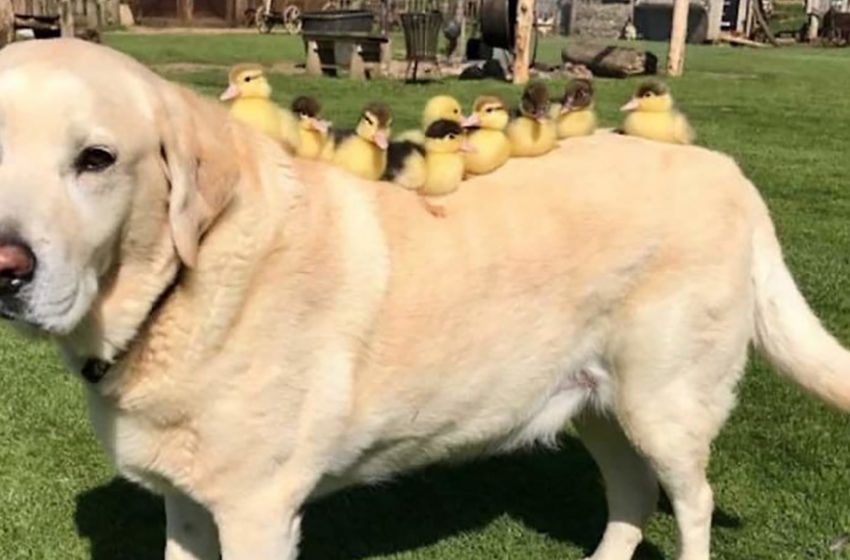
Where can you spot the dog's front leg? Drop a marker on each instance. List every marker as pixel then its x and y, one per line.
pixel 190 530
pixel 259 530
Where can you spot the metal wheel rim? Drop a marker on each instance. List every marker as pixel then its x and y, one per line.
pixel 261 21
pixel 292 19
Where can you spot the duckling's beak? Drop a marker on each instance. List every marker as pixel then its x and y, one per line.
pixel 380 139
pixel 467 148
pixel 471 121
pixel 319 125
pixel 567 106
pixel 541 117
pixel 631 105
pixel 232 92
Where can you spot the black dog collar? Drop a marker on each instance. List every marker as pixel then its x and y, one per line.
pixel 95 369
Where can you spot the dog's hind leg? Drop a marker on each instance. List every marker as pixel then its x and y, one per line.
pixel 631 488
pixel 676 389
pixel 190 530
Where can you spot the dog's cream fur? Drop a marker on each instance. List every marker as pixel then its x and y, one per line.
pixel 327 331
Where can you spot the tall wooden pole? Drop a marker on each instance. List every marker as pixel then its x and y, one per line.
pixel 66 18
pixel 522 47
pixel 460 18
pixel 678 34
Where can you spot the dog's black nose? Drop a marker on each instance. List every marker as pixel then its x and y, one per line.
pixel 17 265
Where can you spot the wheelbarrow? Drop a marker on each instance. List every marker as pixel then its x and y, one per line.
pixel 266 18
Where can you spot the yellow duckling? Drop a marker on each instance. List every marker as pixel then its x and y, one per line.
pixel 574 115
pixel 250 95
pixel 652 115
pixel 312 130
pixel 532 133
pixel 440 107
pixel 490 145
pixel 362 151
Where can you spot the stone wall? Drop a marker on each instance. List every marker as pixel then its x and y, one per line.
pixel 602 20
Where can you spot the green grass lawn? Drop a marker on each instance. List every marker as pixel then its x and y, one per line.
pixel 780 470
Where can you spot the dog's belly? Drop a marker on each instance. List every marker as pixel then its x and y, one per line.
pixel 503 418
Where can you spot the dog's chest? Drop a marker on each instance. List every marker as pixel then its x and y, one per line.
pixel 156 448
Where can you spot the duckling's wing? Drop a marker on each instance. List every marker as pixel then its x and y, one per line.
pixel 398 154
pixel 339 135
pixel 288 126
pixel 682 130
pixel 414 136
pixel 335 138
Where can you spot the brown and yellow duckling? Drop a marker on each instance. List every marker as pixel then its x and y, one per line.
pixel 533 133
pixel 362 151
pixel 312 130
pixel 434 168
pixel 574 115
pixel 652 114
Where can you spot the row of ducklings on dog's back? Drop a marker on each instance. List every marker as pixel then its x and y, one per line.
pixel 434 161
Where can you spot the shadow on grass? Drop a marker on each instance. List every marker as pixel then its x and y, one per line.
pixel 556 493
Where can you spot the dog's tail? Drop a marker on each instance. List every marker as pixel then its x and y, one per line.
pixel 787 331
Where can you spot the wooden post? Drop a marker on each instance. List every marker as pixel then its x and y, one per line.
pixel 386 48
pixel 357 66
pixel 676 55
pixel 460 18
pixel 715 20
pixel 185 9
pixel 66 18
pixel 314 65
pixel 522 47
pixel 7 22
pixel 100 14
pixel 387 58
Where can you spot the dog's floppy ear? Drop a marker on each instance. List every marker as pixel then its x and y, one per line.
pixel 200 161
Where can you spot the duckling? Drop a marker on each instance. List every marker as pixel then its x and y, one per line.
pixel 440 107
pixel 532 132
pixel 250 95
pixel 312 130
pixel 574 115
pixel 362 151
pixel 652 115
pixel 433 168
pixel 490 145
pixel 445 144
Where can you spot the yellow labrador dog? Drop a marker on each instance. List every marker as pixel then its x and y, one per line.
pixel 256 331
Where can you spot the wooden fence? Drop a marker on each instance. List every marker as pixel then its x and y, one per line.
pixel 87 13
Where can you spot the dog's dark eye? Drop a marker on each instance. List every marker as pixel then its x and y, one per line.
pixel 94 159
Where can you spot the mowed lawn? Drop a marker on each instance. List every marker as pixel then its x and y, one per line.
pixel 780 469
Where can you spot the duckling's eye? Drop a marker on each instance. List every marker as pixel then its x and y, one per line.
pixel 456 111
pixel 368 120
pixel 247 79
pixel 94 159
pixel 649 94
pixel 452 136
pixel 490 109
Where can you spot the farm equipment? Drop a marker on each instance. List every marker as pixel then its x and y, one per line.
pixel 271 13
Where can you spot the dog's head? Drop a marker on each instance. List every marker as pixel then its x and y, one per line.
pixel 103 166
